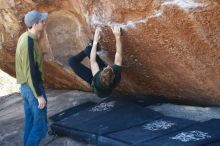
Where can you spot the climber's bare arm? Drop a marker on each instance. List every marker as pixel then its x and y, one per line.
pixel 93 63
pixel 118 55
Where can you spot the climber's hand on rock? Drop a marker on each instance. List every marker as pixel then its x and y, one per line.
pixel 97 35
pixel 117 31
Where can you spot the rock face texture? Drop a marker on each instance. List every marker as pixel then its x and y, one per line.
pixel 171 47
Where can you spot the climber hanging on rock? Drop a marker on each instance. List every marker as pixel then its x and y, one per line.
pixel 103 78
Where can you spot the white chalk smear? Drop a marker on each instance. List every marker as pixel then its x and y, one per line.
pixel 96 21
pixel 184 4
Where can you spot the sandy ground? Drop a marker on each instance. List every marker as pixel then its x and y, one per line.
pixel 7 84
pixel 12 116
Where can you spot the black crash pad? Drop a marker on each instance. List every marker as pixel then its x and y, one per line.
pixel 103 118
pixel 199 134
pixel 147 131
pixel 61 115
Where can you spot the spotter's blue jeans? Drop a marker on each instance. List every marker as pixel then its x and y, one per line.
pixel 35 118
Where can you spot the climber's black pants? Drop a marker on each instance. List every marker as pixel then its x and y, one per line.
pixel 81 70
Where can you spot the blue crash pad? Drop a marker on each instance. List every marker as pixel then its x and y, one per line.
pixel 199 134
pixel 93 112
pixel 119 119
pixel 148 131
pixel 106 117
pixel 61 115
pixel 217 143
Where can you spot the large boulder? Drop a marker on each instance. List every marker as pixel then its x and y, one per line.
pixel 171 47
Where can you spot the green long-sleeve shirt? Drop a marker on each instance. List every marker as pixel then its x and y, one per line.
pixel 29 65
